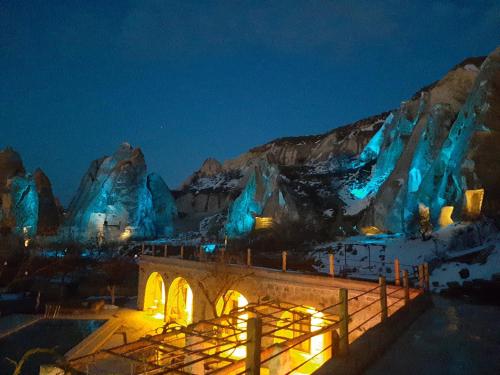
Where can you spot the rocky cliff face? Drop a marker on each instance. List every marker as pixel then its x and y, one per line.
pixel 264 196
pixel 436 166
pixel 117 200
pixel 428 155
pixel 28 206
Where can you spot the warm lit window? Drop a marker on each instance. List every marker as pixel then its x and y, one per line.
pixel 263 222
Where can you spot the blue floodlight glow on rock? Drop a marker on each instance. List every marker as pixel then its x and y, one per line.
pixel 209 248
pixel 241 219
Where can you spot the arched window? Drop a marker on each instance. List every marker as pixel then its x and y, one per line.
pixel 154 296
pixel 180 302
pixel 229 302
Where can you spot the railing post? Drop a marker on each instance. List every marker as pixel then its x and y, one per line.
pixel 344 322
pixel 254 335
pixel 406 285
pixel 421 276
pixel 283 261
pixel 182 251
pixel 426 277
pixel 249 257
pixel 153 250
pixel 142 248
pixel 332 264
pixel 397 274
pixel 165 251
pixel 383 298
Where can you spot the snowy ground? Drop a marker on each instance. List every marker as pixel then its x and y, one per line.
pixel 371 256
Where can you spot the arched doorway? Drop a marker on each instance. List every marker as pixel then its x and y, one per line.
pixel 180 302
pixel 154 296
pixel 300 321
pixel 237 325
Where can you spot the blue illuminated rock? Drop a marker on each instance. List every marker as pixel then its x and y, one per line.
pixel 265 195
pixel 114 201
pixel 27 205
pixel 23 205
pixel 437 163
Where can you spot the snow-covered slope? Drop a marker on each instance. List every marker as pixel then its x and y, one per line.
pixel 457 254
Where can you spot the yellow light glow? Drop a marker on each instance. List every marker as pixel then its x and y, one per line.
pixel 26 242
pixel 309 351
pixel 189 305
pixel 370 231
pixel 126 234
pixel 231 300
pixel 473 203
pixel 445 216
pixel 263 222
pixel 159 316
pixel 180 302
pixel 154 295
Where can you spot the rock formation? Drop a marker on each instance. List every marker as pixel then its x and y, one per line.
pixel 264 195
pixel 164 207
pixel 117 200
pixel 48 209
pixel 28 206
pixel 436 164
pixel 434 154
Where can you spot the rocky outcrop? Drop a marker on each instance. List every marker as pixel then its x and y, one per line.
pixel 383 171
pixel 11 165
pixel 264 195
pixel 213 189
pixel 348 140
pixel 116 200
pixel 210 167
pixel 164 207
pixel 21 205
pixel 447 151
pixel 48 209
pixel 483 148
pixel 28 206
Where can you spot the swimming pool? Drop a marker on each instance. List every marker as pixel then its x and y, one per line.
pixel 61 334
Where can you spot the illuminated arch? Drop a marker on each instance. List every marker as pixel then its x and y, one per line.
pixel 300 321
pixel 180 302
pixel 154 295
pixel 230 301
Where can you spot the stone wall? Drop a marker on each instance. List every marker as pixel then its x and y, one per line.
pixel 256 284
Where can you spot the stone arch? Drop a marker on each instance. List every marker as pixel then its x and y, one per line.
pixel 236 326
pixel 154 295
pixel 180 302
pixel 232 299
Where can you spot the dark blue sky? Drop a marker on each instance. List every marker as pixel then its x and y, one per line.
pixel 185 80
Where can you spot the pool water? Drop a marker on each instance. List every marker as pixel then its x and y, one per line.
pixel 61 334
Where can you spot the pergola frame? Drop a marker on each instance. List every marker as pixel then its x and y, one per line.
pixel 212 341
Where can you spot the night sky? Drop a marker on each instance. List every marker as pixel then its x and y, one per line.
pixel 186 80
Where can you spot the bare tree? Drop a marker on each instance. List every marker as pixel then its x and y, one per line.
pixel 117 270
pixel 218 280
